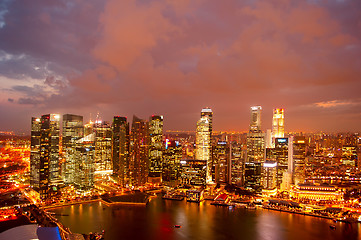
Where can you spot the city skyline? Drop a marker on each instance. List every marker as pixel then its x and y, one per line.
pixel 174 58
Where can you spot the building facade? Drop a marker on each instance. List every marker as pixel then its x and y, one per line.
pixel 155 149
pixel 103 150
pixel 73 130
pixel 49 152
pixel 35 152
pixel 120 149
pixel 138 165
pixel 172 156
pixel 278 123
pixel 203 144
pixel 255 152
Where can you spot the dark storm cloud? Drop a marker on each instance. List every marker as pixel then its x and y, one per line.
pixel 29 101
pixel 175 57
pixel 62 32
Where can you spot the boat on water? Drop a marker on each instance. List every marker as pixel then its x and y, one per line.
pixel 332 227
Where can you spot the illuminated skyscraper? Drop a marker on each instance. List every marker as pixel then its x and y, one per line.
pixel 73 130
pixel 221 163
pixel 298 158
pixel 269 175
pixel 255 125
pixel 207 112
pixel 139 152
pixel 84 152
pixel 237 162
pixel 255 151
pixel 49 152
pixel 172 156
pixel 120 149
pixel 278 123
pixel 203 144
pixel 155 149
pixel 35 152
pixel 193 172
pixel 281 155
pixel 103 150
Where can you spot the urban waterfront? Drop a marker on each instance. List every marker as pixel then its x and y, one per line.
pixel 198 221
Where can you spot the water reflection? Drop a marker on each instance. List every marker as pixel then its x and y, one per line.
pixel 198 221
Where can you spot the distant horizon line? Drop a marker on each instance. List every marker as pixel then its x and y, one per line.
pixel 12 133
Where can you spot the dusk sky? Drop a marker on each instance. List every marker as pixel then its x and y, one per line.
pixel 175 57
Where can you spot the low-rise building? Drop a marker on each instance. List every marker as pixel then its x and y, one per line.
pixel 316 192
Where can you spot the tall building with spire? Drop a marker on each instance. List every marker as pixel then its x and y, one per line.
pixel 155 149
pixel 255 151
pixel 203 141
pixel 120 149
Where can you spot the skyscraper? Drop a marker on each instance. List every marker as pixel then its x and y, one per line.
pixel 255 151
pixel 120 149
pixel 84 153
pixel 281 155
pixel 155 149
pixel 103 149
pixel 73 130
pixel 255 125
pixel 35 152
pixel 139 152
pixel 49 152
pixel 299 155
pixel 203 144
pixel 221 162
pixel 172 156
pixel 278 126
pixel 269 175
pixel 237 162
pixel 207 112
